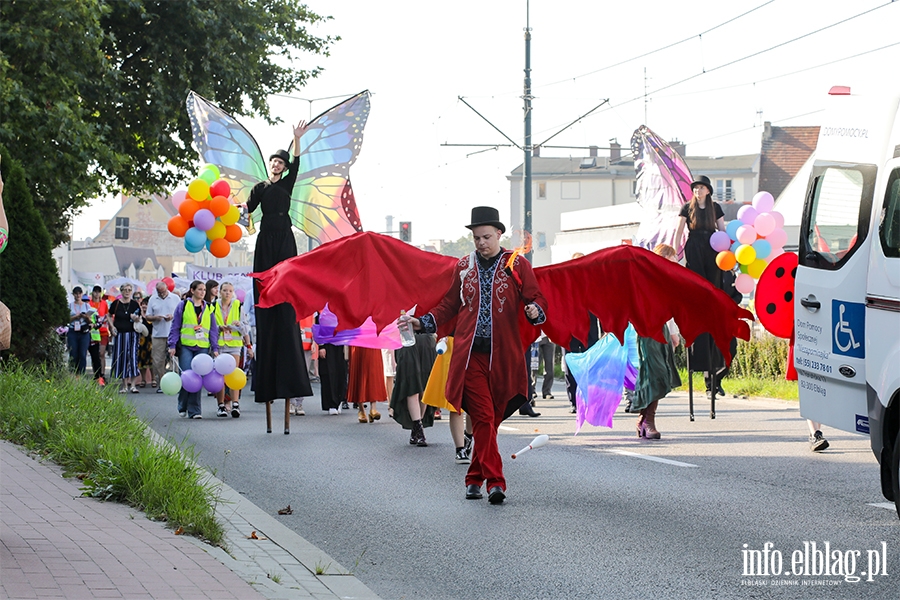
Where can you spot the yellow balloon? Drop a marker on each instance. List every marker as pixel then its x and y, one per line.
pixel 198 190
pixel 236 380
pixel 216 231
pixel 756 268
pixel 745 254
pixel 231 217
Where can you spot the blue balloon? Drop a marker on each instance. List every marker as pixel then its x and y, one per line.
pixel 192 249
pixel 763 248
pixel 735 246
pixel 208 243
pixel 732 227
pixel 195 238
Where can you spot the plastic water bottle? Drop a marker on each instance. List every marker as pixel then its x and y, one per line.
pixel 441 346
pixel 407 337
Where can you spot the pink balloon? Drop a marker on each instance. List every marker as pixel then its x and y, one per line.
pixel 178 197
pixel 777 238
pixel 241 294
pixel 151 286
pixel 204 219
pixel 746 214
pixel 720 241
pixel 775 253
pixel 746 234
pixel 764 224
pixel 744 283
pixel 779 218
pixel 763 202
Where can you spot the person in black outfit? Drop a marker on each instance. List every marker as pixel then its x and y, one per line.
pixel 703 217
pixel 280 367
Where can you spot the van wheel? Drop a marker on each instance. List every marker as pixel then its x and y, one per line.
pixel 895 472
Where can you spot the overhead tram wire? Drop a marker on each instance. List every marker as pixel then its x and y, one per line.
pixel 737 60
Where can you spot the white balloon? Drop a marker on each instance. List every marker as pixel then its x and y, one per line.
pixel 225 364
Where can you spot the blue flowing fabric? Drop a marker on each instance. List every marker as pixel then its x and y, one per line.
pixel 601 373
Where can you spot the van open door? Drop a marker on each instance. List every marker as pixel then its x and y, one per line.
pixel 830 294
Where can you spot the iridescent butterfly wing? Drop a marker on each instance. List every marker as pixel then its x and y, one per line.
pixel 323 205
pixel 224 142
pixel 663 187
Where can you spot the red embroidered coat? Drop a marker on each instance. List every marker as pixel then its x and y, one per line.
pixel 510 293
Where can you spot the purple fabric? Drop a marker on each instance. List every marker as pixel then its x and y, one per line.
pixel 364 336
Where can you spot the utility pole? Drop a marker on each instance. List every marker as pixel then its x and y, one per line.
pixel 527 97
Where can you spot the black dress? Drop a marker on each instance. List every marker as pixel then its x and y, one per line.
pixel 414 364
pixel 333 375
pixel 701 259
pixel 280 369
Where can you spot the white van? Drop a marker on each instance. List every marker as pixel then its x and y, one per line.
pixel 847 294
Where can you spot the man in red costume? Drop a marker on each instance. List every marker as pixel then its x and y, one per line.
pixel 488 375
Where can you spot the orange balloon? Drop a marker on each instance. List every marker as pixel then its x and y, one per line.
pixel 726 260
pixel 233 233
pixel 178 226
pixel 219 205
pixel 219 248
pixel 231 217
pixel 188 208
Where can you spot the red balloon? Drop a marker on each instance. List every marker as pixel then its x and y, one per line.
pixel 775 295
pixel 233 233
pixel 219 205
pixel 170 283
pixel 220 187
pixel 219 248
pixel 178 226
pixel 187 208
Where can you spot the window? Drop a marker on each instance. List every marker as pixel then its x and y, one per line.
pixel 542 189
pixel 724 190
pixel 890 219
pixel 571 190
pixel 122 228
pixel 836 216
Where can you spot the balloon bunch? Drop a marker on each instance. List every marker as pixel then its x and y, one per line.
pixel 206 372
pixel 750 241
pixel 206 218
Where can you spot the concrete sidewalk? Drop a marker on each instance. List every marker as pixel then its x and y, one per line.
pixel 58 544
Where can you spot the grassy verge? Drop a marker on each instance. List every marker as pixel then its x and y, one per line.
pixel 94 435
pixel 747 386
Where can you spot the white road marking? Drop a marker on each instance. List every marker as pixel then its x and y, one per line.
pixel 505 428
pixel 654 458
pixel 887 505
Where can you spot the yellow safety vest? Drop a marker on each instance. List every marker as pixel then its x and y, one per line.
pixel 191 334
pixel 233 339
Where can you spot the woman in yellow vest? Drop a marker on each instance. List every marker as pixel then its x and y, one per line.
pixel 194 326
pixel 234 336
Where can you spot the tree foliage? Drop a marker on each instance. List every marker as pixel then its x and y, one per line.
pixel 466 244
pixel 29 283
pixel 93 90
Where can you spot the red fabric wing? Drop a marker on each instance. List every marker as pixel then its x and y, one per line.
pixel 627 283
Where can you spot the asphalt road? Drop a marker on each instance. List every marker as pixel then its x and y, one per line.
pixel 597 515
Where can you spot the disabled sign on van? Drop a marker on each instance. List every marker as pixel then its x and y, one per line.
pixel 848 326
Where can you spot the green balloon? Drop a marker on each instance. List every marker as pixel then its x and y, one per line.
pixel 170 384
pixel 744 268
pixel 209 173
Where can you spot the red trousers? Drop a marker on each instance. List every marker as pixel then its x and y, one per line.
pixel 486 413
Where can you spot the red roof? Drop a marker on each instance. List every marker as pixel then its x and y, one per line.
pixel 784 151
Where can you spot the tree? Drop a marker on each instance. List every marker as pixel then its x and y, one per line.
pixel 93 90
pixel 29 283
pixel 465 245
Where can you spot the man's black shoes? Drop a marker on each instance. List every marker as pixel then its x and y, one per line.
pixel 473 492
pixel 496 495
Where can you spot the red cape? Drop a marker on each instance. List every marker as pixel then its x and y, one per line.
pixel 368 274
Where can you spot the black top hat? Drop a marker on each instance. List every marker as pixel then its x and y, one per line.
pixel 283 155
pixel 486 215
pixel 703 180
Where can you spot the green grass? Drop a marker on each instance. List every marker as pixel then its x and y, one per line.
pixel 747 386
pixel 94 435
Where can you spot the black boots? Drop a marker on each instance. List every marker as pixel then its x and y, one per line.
pixel 417 435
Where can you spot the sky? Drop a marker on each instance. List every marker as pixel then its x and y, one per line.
pixel 714 85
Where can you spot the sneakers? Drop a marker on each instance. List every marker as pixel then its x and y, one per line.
pixel 333 411
pixel 101 381
pixel 297 407
pixel 221 412
pixel 235 410
pixel 182 414
pixel 817 442
pixel 462 457
pixel 159 390
pixel 197 417
pixel 345 406
pixel 467 443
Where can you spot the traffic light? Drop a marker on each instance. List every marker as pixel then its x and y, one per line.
pixel 405 231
